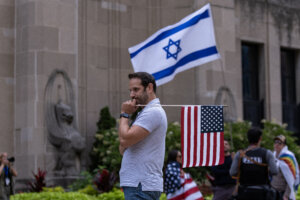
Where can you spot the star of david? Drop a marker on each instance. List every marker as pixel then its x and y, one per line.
pixel 172 53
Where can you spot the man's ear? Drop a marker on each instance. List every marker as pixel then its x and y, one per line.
pixel 150 87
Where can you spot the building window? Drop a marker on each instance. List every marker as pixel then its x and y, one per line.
pixel 253 104
pixel 288 89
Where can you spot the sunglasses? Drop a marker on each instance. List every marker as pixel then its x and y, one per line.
pixel 278 142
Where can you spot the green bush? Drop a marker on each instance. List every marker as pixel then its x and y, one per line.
pixel 298 194
pixel 270 130
pixel 53 196
pixel 86 178
pixel 173 138
pixel 235 133
pixel 53 189
pixel 115 194
pixel 105 153
pixel 163 196
pixel 90 190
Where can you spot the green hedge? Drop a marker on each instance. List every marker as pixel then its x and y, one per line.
pixel 115 194
pixel 53 196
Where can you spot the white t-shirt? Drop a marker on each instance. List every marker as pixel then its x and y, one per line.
pixel 143 161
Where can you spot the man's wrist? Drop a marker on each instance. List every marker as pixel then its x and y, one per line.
pixel 124 115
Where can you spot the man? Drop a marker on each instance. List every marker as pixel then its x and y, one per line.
pixel 256 164
pixel 143 143
pixel 288 176
pixel 6 174
pixel 224 184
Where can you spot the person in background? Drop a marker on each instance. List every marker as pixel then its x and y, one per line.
pixel 224 185
pixel 288 177
pixel 179 185
pixel 253 167
pixel 6 173
pixel 173 172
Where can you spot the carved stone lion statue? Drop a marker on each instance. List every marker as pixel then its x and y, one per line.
pixel 62 132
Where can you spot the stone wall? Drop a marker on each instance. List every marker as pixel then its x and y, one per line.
pixel 46 39
pixel 7 83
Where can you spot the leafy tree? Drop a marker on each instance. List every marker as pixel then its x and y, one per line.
pixel 105 152
pixel 106 121
pixel 236 134
pixel 238 131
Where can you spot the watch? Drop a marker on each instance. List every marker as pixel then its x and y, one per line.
pixel 125 115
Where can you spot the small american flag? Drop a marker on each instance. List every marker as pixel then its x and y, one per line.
pixel 188 190
pixel 202 136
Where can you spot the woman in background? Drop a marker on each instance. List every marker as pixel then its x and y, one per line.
pixel 177 183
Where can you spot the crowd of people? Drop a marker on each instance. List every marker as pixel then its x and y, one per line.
pixel 252 173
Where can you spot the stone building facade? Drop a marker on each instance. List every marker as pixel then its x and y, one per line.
pixel 88 39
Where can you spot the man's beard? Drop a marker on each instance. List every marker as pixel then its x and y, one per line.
pixel 143 99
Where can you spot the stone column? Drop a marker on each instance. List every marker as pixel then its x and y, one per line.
pixel 6 76
pixel 46 39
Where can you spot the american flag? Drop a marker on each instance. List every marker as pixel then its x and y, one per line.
pixel 187 191
pixel 202 136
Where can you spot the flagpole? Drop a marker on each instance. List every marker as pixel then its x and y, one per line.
pixel 165 105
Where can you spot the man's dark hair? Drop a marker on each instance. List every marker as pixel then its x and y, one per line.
pixel 253 135
pixel 145 78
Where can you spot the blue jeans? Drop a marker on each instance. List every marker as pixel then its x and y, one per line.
pixel 136 193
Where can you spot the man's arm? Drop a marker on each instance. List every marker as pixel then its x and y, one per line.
pixel 235 165
pixel 273 168
pixel 130 135
pixel 12 170
pixel 1 167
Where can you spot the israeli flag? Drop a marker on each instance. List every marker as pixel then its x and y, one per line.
pixel 178 47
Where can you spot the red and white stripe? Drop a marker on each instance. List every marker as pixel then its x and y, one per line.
pixel 188 190
pixel 199 148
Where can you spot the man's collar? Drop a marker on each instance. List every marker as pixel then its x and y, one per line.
pixel 153 101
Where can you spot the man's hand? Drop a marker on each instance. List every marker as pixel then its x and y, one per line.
pixel 181 173
pixel 129 106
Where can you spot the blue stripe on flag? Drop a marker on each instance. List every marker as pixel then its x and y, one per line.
pixel 188 58
pixel 172 31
